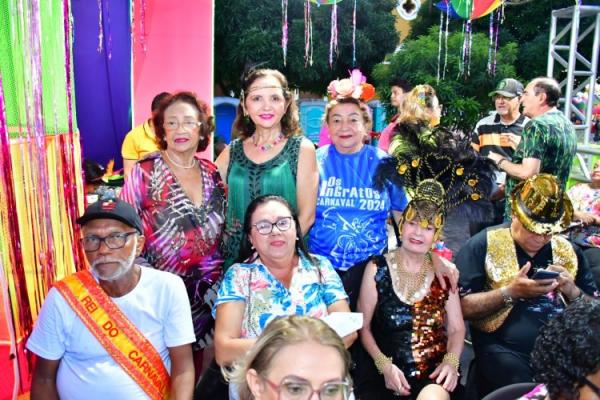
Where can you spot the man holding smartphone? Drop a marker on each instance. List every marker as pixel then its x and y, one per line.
pixel 503 302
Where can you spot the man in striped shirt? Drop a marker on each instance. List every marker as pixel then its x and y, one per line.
pixel 500 132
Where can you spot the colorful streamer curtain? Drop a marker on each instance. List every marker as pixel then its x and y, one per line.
pixel 40 171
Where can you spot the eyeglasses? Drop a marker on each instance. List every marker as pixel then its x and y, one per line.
pixel 265 227
pixel 594 388
pixel 172 125
pixel 113 241
pixel 302 390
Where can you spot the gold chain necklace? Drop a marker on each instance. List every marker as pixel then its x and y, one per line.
pixel 409 286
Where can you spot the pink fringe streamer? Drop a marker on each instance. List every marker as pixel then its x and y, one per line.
pixel 354 35
pixel 333 42
pixel 284 29
pixel 308 44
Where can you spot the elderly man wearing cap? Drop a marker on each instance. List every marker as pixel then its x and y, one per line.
pixel 117 330
pixel 548 141
pixel 515 277
pixel 500 132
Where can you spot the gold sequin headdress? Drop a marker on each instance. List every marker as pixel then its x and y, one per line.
pixel 441 170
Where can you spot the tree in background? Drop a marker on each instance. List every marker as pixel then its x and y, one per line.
pixel 465 98
pixel 527 24
pixel 247 33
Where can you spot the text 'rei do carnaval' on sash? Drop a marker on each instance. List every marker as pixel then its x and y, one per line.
pixel 120 338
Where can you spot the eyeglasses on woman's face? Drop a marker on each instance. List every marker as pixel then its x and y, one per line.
pixel 188 125
pixel 265 227
pixel 294 388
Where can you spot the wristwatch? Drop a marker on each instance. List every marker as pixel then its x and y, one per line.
pixel 508 301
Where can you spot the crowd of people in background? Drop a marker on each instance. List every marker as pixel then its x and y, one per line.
pixel 216 280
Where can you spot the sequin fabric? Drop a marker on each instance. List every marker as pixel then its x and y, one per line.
pixel 501 265
pixel 413 335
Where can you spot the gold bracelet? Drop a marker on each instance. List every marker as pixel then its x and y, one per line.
pixel 452 359
pixel 381 361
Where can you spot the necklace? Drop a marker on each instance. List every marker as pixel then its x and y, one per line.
pixel 266 146
pixel 409 286
pixel 179 165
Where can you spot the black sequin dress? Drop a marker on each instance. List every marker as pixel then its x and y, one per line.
pixel 414 335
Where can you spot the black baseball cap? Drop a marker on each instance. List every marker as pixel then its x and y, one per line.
pixel 116 209
pixel 508 88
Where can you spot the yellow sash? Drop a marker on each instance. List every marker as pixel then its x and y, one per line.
pixel 119 337
pixel 501 266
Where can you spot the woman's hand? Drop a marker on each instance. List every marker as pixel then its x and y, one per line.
pixel 395 380
pixel 445 375
pixel 585 218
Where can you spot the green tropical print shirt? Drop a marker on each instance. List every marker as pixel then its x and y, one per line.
pixel 551 139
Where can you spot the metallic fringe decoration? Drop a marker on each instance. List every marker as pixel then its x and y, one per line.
pixel 497 17
pixel 446 39
pixel 465 62
pixel 308 43
pixel 40 167
pixel 354 35
pixel 439 55
pixel 333 42
pixel 100 28
pixel 284 29
pixel 142 32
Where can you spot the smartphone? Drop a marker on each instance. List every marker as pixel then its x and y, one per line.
pixel 545 274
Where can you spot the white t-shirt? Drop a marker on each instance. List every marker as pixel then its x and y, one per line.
pixel 158 306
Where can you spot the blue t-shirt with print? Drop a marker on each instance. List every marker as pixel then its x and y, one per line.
pixel 350 222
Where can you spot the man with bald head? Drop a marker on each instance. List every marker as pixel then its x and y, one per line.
pixel 548 141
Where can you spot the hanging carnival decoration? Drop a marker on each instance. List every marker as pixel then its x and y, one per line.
pixel 308 43
pixel 40 173
pixel 496 18
pixel 142 30
pixel 100 47
pixel 325 2
pixel 443 32
pixel 469 10
pixel 100 29
pixel 333 40
pixel 354 35
pixel 284 29
pixel 408 9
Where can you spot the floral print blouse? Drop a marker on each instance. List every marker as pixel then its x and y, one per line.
pixel 586 199
pixel 313 288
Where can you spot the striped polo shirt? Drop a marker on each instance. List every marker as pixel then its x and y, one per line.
pixel 487 133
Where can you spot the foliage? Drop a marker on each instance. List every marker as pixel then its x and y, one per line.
pixel 247 33
pixel 527 24
pixel 465 98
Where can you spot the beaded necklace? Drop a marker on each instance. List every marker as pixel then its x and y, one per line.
pixel 180 165
pixel 266 146
pixel 414 284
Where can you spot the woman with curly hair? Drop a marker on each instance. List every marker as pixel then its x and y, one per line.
pixel 181 201
pixel 566 355
pixel 269 156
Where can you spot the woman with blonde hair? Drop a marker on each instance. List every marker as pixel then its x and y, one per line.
pixel 420 114
pixel 293 358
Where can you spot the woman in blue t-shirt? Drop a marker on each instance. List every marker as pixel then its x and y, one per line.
pixel 350 221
